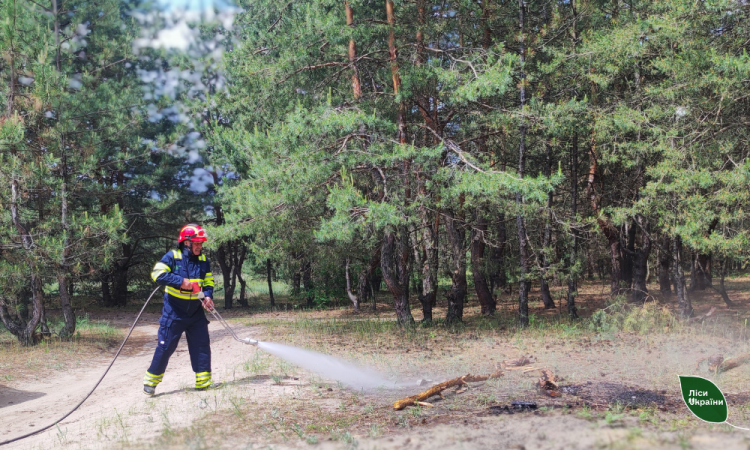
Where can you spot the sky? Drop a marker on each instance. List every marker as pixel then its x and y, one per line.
pixel 179 35
pixel 193 5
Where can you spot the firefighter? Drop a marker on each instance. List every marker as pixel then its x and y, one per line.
pixel 184 273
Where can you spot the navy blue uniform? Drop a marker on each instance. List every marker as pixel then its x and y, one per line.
pixel 182 312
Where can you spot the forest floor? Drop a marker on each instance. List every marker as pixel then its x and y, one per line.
pixel 618 379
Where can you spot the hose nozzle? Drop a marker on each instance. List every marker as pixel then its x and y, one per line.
pixel 250 341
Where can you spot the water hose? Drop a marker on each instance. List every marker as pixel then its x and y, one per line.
pixel 224 323
pixel 95 386
pixel 201 296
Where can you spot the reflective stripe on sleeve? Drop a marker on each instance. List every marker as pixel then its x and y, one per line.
pixel 159 268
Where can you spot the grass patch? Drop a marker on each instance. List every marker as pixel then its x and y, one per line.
pixel 621 316
pixel 93 339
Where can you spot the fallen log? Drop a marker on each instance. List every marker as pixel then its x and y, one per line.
pixel 439 388
pixel 714 361
pixel 717 363
pixel 729 364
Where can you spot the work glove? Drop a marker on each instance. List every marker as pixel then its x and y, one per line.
pixel 208 304
pixel 192 287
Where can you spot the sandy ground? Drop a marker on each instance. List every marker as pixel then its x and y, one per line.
pixel 119 415
pixel 119 398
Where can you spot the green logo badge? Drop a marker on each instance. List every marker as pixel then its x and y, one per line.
pixel 704 399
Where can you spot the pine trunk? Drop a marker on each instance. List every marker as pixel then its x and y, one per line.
pixel 722 289
pixel 270 283
pixel 243 291
pixel 639 293
pixel 481 286
pixel 106 290
pixel 572 278
pixel 456 232
pixel 678 278
pixel 430 233
pixel 356 86
pixel 63 281
pixel 524 284
pixel 547 300
pixel 605 225
pixel 307 283
pixel 700 274
pixel 353 298
pixel 394 263
pixel 665 285
pixel 120 276
pixel 498 279
pixel 628 258
pixel 364 287
pixel 19 320
pixel 69 317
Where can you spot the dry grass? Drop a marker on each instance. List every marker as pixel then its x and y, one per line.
pixel 93 340
pixel 640 354
pixel 641 351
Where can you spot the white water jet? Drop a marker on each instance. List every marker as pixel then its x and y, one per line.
pixel 353 376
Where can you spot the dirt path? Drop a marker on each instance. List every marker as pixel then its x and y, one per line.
pixel 119 398
pixel 555 432
pixel 254 409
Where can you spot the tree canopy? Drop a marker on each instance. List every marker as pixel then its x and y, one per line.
pixel 492 143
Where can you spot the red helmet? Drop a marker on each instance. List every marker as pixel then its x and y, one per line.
pixel 192 232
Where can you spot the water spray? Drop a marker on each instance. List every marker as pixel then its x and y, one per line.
pixel 322 364
pixel 326 365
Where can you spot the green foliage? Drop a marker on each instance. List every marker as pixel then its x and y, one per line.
pixel 640 109
pixel 621 316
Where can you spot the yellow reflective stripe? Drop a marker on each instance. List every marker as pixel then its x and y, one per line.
pixel 159 268
pixel 162 266
pixel 202 380
pixel 202 258
pixel 152 380
pixel 199 280
pixel 176 293
pixel 208 283
pixel 177 254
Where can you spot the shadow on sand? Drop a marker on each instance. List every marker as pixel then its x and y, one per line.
pixel 10 396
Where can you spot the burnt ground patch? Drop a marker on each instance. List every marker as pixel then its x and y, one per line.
pixel 737 399
pixel 603 394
